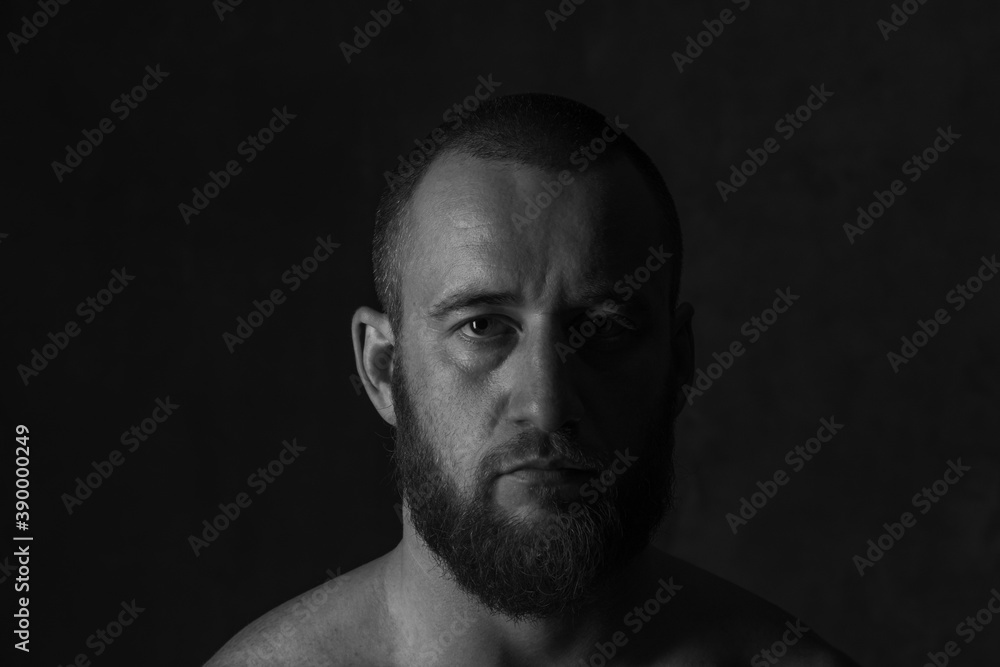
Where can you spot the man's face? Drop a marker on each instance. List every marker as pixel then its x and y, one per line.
pixel 535 461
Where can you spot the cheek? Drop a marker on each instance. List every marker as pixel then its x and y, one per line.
pixel 637 379
pixel 623 401
pixel 454 416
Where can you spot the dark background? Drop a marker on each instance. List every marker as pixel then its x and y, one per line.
pixel 332 509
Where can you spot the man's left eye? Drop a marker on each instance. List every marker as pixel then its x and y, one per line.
pixel 614 323
pixel 611 329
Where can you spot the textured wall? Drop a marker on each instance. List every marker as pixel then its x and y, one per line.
pixel 332 509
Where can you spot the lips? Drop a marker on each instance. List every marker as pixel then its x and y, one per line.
pixel 548 465
pixel 559 476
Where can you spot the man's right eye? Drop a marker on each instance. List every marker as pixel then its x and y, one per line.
pixel 483 328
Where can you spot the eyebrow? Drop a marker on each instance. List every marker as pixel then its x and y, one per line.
pixel 598 289
pixel 597 293
pixel 469 297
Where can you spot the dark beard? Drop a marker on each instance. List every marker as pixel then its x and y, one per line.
pixel 530 568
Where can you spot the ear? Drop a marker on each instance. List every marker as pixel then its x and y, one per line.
pixel 374 348
pixel 682 353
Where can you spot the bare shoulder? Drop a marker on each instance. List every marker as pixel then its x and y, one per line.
pixel 722 624
pixel 335 623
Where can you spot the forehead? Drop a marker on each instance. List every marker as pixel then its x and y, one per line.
pixel 510 227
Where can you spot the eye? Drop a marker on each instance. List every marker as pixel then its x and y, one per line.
pixel 482 328
pixel 615 324
pixel 606 330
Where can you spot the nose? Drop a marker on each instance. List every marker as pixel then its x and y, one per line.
pixel 543 394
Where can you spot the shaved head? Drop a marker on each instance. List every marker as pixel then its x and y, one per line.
pixel 546 132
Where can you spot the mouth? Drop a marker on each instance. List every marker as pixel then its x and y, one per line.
pixel 548 471
pixel 546 465
pixel 554 476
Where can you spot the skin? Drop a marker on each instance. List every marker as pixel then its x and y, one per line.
pixel 478 386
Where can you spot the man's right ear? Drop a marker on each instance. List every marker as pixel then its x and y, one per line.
pixel 374 347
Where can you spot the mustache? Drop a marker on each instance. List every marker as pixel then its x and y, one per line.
pixel 563 444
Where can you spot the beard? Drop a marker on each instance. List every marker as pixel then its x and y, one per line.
pixel 530 568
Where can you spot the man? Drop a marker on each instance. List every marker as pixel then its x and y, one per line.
pixel 530 356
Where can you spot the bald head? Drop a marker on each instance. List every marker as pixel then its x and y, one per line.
pixel 544 134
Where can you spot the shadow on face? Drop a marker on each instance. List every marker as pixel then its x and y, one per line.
pixel 535 301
